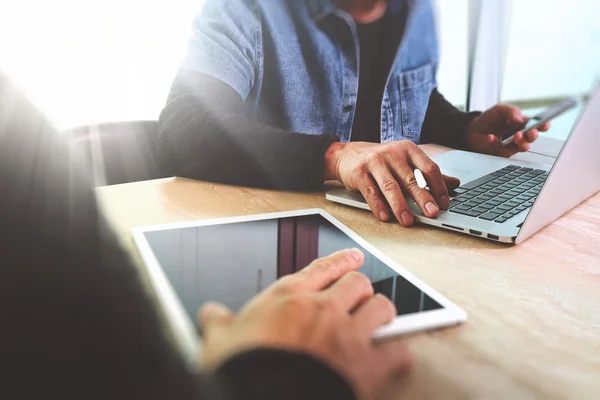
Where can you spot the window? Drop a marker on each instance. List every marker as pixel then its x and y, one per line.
pixel 93 61
pixel 453 33
pixel 553 52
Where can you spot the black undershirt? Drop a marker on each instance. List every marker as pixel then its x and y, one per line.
pixel 377 53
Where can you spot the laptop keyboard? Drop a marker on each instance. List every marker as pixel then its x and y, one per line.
pixel 500 195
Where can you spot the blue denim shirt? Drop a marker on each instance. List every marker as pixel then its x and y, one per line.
pixel 295 63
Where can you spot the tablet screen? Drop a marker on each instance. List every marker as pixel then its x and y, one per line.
pixel 230 263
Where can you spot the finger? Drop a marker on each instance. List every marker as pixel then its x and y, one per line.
pixel 322 272
pixel 214 313
pixel 395 357
pixel 498 149
pixel 373 314
pixel 350 291
pixel 433 176
pixel 393 194
pixel 532 135
pixel 451 182
pixel 422 197
pixel 544 127
pixel 368 188
pixel 521 142
pixel 510 114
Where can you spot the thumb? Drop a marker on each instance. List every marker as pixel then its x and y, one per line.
pixel 214 313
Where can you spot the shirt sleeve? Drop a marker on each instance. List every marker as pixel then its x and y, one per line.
pixel 225 44
pixel 287 375
pixel 445 124
pixel 203 134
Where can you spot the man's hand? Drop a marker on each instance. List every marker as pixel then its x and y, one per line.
pixel 483 133
pixel 383 173
pixel 327 310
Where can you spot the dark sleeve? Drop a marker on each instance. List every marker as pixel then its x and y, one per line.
pixel 205 135
pixel 445 124
pixel 281 375
pixel 76 320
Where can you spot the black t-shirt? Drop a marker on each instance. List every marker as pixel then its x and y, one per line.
pixel 373 67
pixel 378 43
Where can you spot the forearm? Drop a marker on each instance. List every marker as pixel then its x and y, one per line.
pixel 204 135
pixel 445 124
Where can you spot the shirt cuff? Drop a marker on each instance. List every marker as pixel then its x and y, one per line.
pixel 461 126
pixel 277 374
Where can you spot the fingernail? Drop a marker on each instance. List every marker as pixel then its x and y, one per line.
pixel 444 202
pixel 406 218
pixel 356 254
pixel 383 215
pixel 431 208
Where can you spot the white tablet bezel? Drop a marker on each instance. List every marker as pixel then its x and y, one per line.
pixel 185 331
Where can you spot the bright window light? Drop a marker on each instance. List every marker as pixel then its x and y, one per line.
pixel 83 62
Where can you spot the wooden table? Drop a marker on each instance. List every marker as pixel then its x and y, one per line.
pixel 534 309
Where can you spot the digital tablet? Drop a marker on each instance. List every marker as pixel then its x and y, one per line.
pixel 230 260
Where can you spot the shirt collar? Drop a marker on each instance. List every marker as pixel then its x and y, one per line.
pixel 323 8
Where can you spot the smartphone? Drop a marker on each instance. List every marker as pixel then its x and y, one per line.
pixel 540 119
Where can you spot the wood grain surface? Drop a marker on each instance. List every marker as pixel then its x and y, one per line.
pixel 534 309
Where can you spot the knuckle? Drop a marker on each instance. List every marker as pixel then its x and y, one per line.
pixel 389 185
pixel 360 169
pixel 386 304
pixel 327 266
pixel 409 181
pixel 408 144
pixel 361 281
pixel 399 206
pixel 422 196
pixel 285 286
pixel 431 167
pixel 371 192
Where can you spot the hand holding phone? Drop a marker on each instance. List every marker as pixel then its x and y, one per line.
pixel 539 120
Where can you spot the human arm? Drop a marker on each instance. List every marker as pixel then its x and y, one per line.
pixel 475 131
pixel 77 320
pixel 205 135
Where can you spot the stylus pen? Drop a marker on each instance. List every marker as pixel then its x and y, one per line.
pixel 420 179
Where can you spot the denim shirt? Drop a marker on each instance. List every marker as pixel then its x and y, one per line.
pixel 295 63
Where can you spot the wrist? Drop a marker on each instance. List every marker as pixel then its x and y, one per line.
pixel 332 159
pixel 471 119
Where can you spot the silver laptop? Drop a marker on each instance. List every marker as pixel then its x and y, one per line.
pixel 506 200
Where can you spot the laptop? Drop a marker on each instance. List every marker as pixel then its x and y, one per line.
pixel 507 200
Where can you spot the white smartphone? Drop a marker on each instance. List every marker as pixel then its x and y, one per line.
pixel 540 119
pixel 231 260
